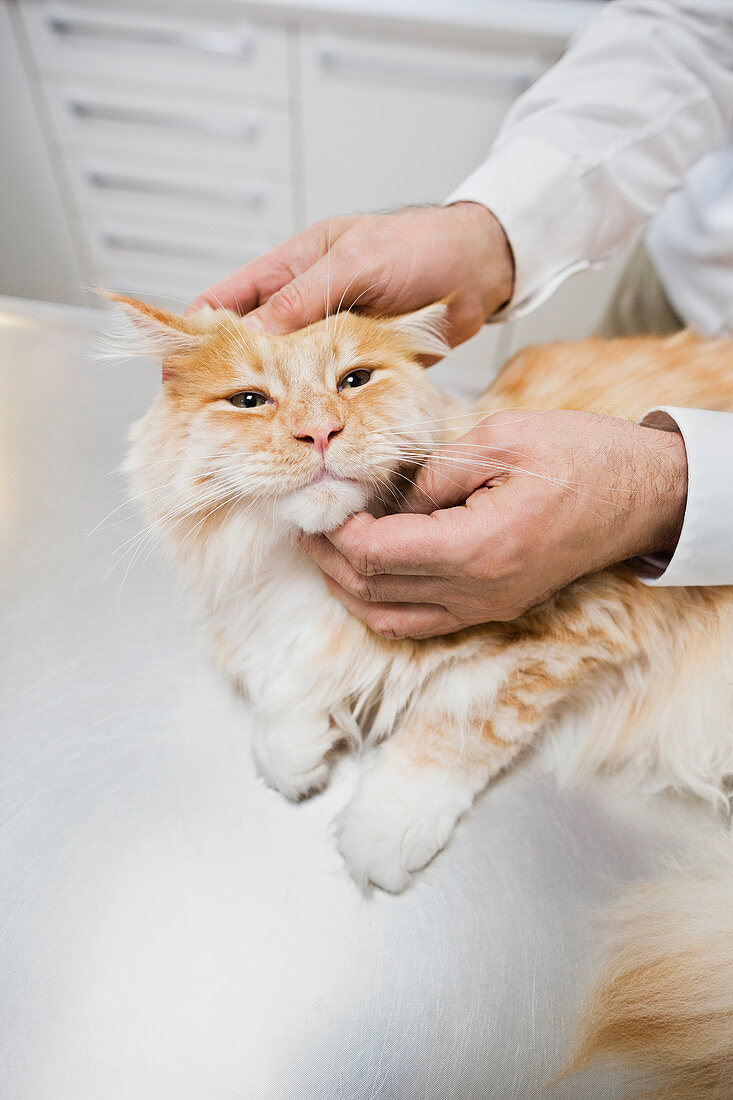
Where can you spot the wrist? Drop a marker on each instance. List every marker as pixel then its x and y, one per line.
pixel 494 257
pixel 666 495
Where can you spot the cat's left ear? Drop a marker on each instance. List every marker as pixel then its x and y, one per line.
pixel 157 332
pixel 425 330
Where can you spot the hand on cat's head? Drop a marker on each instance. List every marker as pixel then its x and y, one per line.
pixel 384 263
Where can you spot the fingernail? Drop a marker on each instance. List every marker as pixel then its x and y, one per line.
pixel 249 321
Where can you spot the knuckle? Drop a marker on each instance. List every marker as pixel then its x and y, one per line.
pixel 321 228
pixel 512 608
pixel 391 632
pixel 351 252
pixel 384 624
pixel 288 300
pixel 362 588
pixel 364 561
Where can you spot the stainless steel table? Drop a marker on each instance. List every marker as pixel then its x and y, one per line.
pixel 170 928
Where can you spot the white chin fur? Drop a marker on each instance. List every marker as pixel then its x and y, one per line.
pixel 324 506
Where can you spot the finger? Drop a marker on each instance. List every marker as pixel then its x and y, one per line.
pixel 395 620
pixel 454 472
pixel 255 282
pixel 238 292
pixel 248 286
pixel 413 545
pixel 379 588
pixel 310 296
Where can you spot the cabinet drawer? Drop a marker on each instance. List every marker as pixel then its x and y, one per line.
pixel 210 234
pixel 211 55
pixel 251 203
pixel 161 263
pixel 111 244
pixel 426 117
pixel 90 117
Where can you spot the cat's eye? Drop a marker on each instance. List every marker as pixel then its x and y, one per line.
pixel 248 399
pixel 354 378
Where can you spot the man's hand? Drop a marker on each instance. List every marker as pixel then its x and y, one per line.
pixel 504 517
pixel 381 263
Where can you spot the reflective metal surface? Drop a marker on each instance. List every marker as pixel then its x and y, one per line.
pixel 170 928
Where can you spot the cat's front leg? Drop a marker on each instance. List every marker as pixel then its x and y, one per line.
pixel 428 774
pixel 292 751
pixel 409 800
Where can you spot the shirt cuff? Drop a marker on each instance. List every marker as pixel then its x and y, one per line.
pixel 529 186
pixel 704 552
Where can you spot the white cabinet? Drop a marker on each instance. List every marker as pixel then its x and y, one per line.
pixel 122 44
pixel 391 122
pixel 190 137
pixel 172 130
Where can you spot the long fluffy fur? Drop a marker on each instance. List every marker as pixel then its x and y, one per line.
pixel 665 995
pixel 638 678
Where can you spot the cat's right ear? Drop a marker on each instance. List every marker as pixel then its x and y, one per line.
pixel 151 331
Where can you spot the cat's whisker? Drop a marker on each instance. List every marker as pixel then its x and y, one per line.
pixel 231 501
pixel 146 535
pixel 468 462
pixel 135 553
pixel 327 302
pixel 349 308
pixel 350 284
pixel 170 519
pixel 478 416
pixel 174 514
pixel 235 332
pixel 127 503
pixel 386 484
pixel 411 425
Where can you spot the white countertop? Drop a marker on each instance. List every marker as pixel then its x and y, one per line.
pixel 170 928
pixel 544 17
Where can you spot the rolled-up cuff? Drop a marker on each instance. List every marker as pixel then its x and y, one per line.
pixel 704 552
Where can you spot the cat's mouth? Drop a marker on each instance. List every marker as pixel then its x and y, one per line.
pixel 326 478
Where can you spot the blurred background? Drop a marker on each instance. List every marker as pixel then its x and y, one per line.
pixel 153 146
pixel 170 928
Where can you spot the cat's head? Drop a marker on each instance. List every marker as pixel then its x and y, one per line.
pixel 309 427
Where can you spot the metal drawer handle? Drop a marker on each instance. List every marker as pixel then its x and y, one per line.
pixel 122 242
pixel 206 41
pixel 220 126
pixel 117 181
pixel 370 65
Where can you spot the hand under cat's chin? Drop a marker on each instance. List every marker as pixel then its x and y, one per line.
pixel 323 505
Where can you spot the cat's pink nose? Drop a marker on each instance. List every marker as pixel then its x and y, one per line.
pixel 320 435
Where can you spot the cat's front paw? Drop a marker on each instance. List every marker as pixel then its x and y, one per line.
pixel 293 760
pixel 398 820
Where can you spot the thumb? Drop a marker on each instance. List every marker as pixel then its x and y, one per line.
pixel 450 476
pixel 305 299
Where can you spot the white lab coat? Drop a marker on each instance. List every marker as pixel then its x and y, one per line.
pixel 636 119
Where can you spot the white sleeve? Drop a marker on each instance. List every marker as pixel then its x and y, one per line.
pixel 588 155
pixel 704 552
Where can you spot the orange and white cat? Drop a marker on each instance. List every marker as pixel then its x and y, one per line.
pixel 255 438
